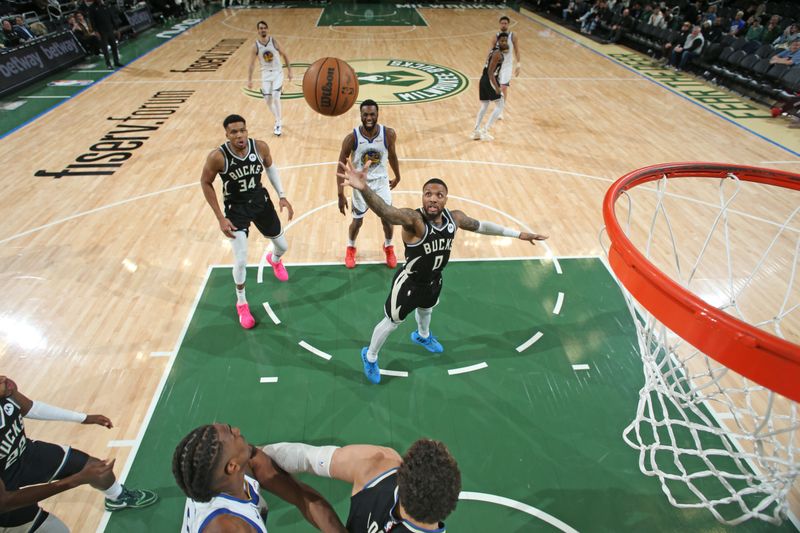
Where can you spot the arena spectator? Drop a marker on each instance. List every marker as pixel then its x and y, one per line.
pixel 622 23
pixel 789 34
pixel 666 50
pixel 773 29
pixel 10 37
pixel 682 55
pixel 790 56
pixel 22 30
pixel 657 19
pixel 737 24
pixel 755 31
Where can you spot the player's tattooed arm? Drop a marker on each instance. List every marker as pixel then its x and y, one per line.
pixel 465 222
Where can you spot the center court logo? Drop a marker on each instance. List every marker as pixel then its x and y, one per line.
pixel 388 81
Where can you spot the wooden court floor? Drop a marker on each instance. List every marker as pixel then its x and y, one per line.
pixel 98 271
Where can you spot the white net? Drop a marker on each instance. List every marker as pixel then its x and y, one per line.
pixel 715 439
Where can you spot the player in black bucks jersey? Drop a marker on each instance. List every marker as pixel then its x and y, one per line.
pixel 409 494
pixel 240 163
pixel 489 89
pixel 428 234
pixel 33 470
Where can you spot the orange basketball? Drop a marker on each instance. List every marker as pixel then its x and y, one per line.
pixel 330 86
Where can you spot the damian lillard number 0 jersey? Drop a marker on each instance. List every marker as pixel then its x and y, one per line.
pixel 426 258
pixel 241 177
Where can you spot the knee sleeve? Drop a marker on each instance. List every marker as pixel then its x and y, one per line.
pixel 239 245
pixel 298 457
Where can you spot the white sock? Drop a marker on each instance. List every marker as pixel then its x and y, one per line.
pixel 481 113
pixel 379 335
pixel 113 492
pixel 387 242
pixel 240 297
pixel 351 242
pixel 496 113
pixel 424 321
pixel 279 247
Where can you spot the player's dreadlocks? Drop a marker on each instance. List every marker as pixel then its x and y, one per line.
pixel 195 461
pixel 428 481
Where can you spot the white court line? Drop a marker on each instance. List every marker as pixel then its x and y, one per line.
pixel 559 303
pixel 315 351
pixel 519 506
pixel 527 344
pixel 46 97
pixel 271 313
pixel 92 70
pixel 268 380
pixel 580 367
pixel 465 369
pixel 121 443
pixel 395 373
pixel 156 395
pixel 779 162
pixel 160 354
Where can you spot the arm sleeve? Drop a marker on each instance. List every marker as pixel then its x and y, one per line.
pixel 275 179
pixel 43 411
pixel 490 228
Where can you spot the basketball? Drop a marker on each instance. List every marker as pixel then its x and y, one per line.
pixel 330 86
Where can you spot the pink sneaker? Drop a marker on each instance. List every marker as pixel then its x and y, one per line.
pixel 278 268
pixel 245 318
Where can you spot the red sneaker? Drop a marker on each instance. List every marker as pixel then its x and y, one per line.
pixel 277 268
pixel 391 259
pixel 245 318
pixel 350 257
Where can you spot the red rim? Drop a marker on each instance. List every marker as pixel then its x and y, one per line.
pixel 761 357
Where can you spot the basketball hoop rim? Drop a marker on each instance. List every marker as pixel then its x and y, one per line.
pixel 756 354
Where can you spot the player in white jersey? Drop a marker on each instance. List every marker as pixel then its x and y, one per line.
pixel 221 474
pixel 508 63
pixel 375 143
pixel 266 49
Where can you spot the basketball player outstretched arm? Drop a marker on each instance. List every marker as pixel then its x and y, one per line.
pixel 490 228
pixel 391 138
pixel 272 174
pixel 413 225
pixel 314 507
pixel 348 145
pixel 215 163
pixel 92 472
pixel 284 57
pixel 516 53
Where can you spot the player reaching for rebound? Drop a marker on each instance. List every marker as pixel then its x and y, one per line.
pixel 266 49
pixel 374 143
pixel 428 234
pixel 240 162
pixel 509 57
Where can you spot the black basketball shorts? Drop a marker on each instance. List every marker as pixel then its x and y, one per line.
pixel 406 296
pixel 259 211
pixel 486 90
pixel 41 462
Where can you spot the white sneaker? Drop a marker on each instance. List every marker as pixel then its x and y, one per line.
pixel 476 135
pixel 485 136
pixel 277 130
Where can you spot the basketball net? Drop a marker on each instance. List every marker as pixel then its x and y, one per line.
pixel 715 438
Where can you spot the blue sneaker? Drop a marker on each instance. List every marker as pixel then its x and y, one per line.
pixel 431 343
pixel 371 370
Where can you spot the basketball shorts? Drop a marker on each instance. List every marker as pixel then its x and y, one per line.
pixel 381 187
pixel 505 75
pixel 406 296
pixel 486 90
pixel 258 210
pixel 272 82
pixel 41 462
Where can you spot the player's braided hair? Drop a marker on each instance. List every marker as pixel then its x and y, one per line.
pixel 428 481
pixel 195 461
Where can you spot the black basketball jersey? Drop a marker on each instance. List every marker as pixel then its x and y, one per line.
pixel 241 177
pixel 488 62
pixel 373 510
pixel 12 438
pixel 426 258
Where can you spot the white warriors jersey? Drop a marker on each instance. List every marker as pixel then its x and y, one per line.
pixel 197 515
pixel 508 55
pixel 268 56
pixel 375 150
